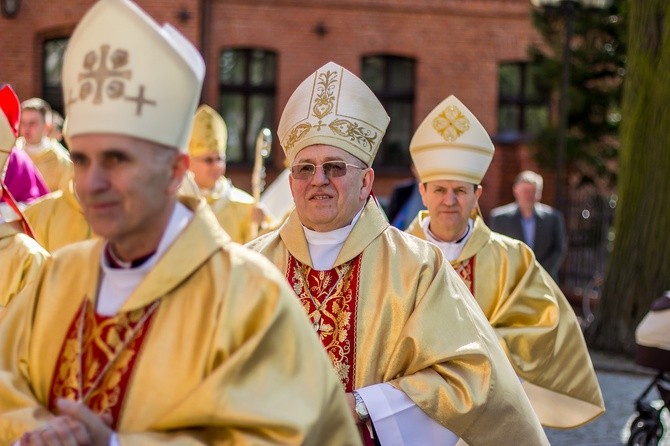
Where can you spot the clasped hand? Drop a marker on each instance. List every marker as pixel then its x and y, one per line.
pixel 75 425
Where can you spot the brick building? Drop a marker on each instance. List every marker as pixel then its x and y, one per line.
pixel 412 54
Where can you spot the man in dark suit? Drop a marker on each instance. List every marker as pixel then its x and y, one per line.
pixel 540 226
pixel 405 202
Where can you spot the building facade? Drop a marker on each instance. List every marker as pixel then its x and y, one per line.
pixel 412 53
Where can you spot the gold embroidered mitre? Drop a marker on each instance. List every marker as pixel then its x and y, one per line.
pixel 451 144
pixel 124 74
pixel 10 116
pixel 208 134
pixel 334 107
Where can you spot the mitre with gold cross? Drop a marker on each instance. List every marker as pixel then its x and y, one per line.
pixel 451 144
pixel 125 74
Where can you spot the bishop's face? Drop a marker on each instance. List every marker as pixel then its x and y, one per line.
pixel 325 203
pixel 207 169
pixel 450 204
pixel 126 186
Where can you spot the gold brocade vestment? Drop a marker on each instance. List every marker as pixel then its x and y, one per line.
pixel 58 220
pixel 536 326
pixel 233 209
pixel 418 329
pixel 21 259
pixel 54 164
pixel 227 357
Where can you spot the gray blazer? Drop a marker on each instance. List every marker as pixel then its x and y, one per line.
pixel 550 244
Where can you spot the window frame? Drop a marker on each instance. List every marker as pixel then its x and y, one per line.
pixel 247 90
pixel 521 102
pixel 389 96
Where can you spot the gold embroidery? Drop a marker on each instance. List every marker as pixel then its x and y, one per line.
pixel 324 103
pixel 353 131
pixel 99 79
pixel 103 73
pixel 333 322
pixel 325 97
pixel 451 123
pixel 297 133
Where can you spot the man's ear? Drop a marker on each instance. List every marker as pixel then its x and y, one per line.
pixel 422 191
pixel 366 187
pixel 179 167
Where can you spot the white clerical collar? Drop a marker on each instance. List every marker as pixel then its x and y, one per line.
pixel 36 149
pixel 325 246
pixel 451 250
pixel 119 283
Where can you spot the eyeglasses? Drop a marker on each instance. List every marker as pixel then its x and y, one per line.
pixel 331 169
pixel 211 160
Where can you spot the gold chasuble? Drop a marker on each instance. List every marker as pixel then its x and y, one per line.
pixel 21 259
pixel 233 209
pixel 412 324
pixel 536 326
pixel 58 220
pixel 243 368
pixel 53 162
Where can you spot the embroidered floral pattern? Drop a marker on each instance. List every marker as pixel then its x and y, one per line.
pixel 332 310
pixel 465 270
pixel 110 346
pixel 354 132
pixel 324 104
pixel 451 123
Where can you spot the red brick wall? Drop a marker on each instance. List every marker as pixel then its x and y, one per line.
pixel 457 46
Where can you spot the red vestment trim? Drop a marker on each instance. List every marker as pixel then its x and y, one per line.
pixel 466 270
pixel 101 369
pixel 335 292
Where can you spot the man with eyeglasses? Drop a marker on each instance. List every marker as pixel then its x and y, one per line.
pixel 235 209
pixel 419 362
pixel 162 331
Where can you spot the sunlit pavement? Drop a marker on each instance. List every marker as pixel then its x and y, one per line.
pixel 621 383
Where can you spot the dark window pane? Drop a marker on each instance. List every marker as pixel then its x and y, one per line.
pixel 510 80
pixel 522 111
pixel 53 61
pixel 402 75
pixel 532 93
pixel 262 68
pixel 508 118
pixel 260 115
pixel 232 68
pixel 391 78
pixel 52 65
pixel 398 134
pixel 232 111
pixel 374 72
pixel 247 82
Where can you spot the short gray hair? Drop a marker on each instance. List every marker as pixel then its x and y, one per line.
pixel 530 177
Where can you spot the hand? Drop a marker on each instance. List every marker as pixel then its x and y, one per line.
pixel 352 407
pixel 59 431
pixel 98 427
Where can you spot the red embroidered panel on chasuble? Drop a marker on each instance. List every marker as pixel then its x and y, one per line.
pixel 97 358
pixel 466 270
pixel 330 299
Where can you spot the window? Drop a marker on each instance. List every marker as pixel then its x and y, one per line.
pixel 247 85
pixel 391 78
pixel 52 65
pixel 522 111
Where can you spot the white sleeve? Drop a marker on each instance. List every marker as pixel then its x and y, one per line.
pixel 398 421
pixel 114 440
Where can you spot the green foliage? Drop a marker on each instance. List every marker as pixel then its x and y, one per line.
pixel 597 71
